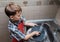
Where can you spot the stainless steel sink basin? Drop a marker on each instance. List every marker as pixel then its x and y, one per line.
pixel 53 27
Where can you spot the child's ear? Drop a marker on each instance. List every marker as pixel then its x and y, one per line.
pixel 11 17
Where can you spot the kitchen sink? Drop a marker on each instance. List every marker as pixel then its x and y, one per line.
pixel 53 27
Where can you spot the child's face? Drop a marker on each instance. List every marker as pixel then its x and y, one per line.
pixel 16 17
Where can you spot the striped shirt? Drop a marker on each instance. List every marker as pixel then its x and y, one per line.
pixel 14 32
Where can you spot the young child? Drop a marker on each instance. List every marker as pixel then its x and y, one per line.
pixel 16 23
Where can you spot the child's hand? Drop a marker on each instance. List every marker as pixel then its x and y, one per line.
pixel 30 24
pixel 37 33
pixel 34 24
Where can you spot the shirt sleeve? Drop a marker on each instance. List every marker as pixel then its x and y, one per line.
pixel 23 18
pixel 15 32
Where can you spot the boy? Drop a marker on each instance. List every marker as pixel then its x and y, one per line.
pixel 16 23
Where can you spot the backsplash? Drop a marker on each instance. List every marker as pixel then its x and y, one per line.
pixel 29 2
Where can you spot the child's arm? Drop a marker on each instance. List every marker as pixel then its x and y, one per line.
pixel 30 24
pixel 31 34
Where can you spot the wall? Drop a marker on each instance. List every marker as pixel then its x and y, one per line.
pixel 58 17
pixel 28 2
pixel 40 12
pixel 3 26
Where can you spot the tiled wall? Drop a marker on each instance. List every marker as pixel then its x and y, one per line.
pixel 28 2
